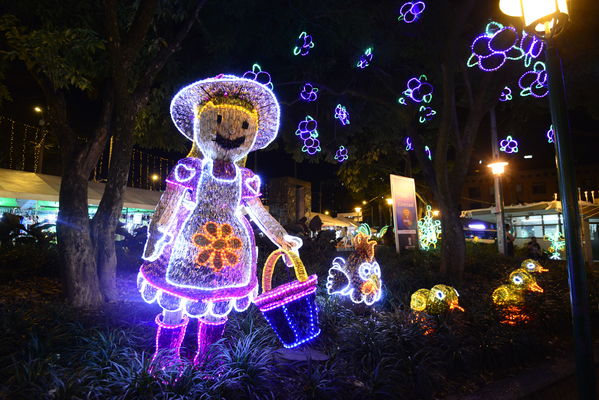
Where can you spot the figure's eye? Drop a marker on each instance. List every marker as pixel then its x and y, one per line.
pixel 518 280
pixel 219 119
pixel 530 266
pixel 439 294
pixel 364 271
pixel 245 125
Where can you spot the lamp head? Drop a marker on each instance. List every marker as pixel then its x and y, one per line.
pixel 498 168
pixel 543 18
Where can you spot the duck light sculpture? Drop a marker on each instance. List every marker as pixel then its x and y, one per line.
pixel 510 298
pixel 438 300
pixel 532 266
pixel 358 278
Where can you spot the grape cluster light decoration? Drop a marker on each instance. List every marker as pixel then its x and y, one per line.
pixel 307 130
pixel 428 152
pixel 199 260
pixel 409 144
pixel 534 83
pixel 418 90
pixel 365 58
pixel 303 44
pixel 309 92
pixel 494 47
pixel 341 154
pixel 342 114
pixel 532 47
pixel 429 230
pixel 506 94
pixel 411 11
pixel 508 145
pixel 425 114
pixel 550 135
pixel 256 74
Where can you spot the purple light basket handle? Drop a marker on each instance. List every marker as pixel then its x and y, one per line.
pixel 289 257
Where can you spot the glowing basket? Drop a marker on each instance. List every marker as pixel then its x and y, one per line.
pixel 290 309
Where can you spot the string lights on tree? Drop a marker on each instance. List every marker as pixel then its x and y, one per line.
pixel 411 11
pixel 309 92
pixel 557 243
pixel 365 58
pixel 494 47
pixel 341 154
pixel 342 115
pixel 307 130
pixel 550 135
pixel 418 90
pixel 508 145
pixel 506 94
pixel 303 44
pixel 534 83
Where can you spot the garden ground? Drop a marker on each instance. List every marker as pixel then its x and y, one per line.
pixel 50 351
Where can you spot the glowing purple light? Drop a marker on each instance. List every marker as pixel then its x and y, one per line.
pixel 506 94
pixel 309 92
pixel 342 114
pixel 311 146
pixel 410 11
pixel 307 128
pixel 365 59
pixel 291 311
pixel 425 114
pixel 531 46
pixel 550 135
pixel 409 144
pixel 303 44
pixel 491 49
pixel 418 90
pixel 508 145
pixel 341 154
pixel 256 74
pixel 534 83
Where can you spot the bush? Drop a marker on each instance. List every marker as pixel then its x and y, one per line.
pixel 28 259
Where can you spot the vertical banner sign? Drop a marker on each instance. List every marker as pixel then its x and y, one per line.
pixel 405 216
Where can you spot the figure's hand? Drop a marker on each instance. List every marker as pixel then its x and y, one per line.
pixel 290 243
pixel 157 240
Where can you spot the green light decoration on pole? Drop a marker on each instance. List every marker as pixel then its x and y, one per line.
pixel 429 230
pixel 558 243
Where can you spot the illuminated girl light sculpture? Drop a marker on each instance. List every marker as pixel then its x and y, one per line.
pixel 200 256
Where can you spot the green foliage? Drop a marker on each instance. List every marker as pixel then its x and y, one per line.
pixel 66 57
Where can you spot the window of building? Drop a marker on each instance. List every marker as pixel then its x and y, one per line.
pixel 539 188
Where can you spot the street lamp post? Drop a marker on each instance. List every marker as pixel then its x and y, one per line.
pixel 498 168
pixel 547 19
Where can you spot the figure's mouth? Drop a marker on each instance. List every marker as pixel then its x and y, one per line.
pixel 228 143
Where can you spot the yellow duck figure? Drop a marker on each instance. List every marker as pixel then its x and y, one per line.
pixel 510 297
pixel 437 300
pixel 532 266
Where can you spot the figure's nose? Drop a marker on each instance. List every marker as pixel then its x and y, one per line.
pixel 535 287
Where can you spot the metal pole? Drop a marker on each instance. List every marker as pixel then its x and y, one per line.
pixel 501 239
pixel 585 371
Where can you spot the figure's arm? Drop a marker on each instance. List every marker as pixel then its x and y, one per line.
pixel 164 220
pixel 270 226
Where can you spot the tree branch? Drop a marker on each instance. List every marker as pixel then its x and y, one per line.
pixel 156 65
pixel 139 27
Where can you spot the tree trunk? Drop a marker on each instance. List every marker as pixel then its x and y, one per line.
pixel 109 211
pixel 74 240
pixel 453 244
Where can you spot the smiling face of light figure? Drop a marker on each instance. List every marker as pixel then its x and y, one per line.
pixel 225 131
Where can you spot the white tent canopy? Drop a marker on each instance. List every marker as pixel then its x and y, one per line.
pixel 328 221
pixel 31 186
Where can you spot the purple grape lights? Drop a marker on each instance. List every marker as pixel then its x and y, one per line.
pixel 491 49
pixel 365 59
pixel 425 114
pixel 342 114
pixel 309 92
pixel 418 90
pixel 303 44
pixel 506 94
pixel 532 47
pixel 409 144
pixel 307 130
pixel 550 135
pixel 508 145
pixel 256 74
pixel 411 11
pixel 534 83
pixel 341 154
